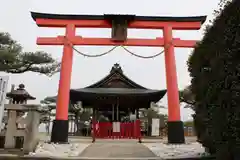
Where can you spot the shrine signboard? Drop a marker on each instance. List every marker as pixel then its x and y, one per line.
pixel 3 90
pixel 155 127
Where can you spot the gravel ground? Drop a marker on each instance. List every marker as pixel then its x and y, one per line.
pixel 59 150
pixel 167 151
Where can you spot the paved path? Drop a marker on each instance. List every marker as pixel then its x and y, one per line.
pixel 117 150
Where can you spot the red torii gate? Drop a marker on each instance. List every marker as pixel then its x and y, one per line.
pixel 119 25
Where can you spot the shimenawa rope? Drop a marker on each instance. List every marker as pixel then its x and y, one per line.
pixel 112 49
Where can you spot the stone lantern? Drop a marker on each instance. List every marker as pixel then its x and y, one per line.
pixel 20 95
pixel 21 121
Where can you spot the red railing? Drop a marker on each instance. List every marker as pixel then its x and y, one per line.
pixel 117 130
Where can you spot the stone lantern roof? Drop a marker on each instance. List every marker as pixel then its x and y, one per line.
pixel 20 94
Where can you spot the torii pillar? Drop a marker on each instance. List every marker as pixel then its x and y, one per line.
pixel 119 25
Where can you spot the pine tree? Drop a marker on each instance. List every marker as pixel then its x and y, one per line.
pixel 14 60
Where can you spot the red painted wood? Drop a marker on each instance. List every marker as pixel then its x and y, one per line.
pixel 77 40
pixel 65 77
pixel 106 24
pixel 128 130
pixel 171 78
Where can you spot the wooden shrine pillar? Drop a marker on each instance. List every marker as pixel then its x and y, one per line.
pixel 175 125
pixel 113 113
pixel 61 121
pixel 117 110
pixel 94 122
pixel 137 113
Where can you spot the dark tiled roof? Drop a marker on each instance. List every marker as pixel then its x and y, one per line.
pixel 36 15
pixel 118 91
pixel 20 93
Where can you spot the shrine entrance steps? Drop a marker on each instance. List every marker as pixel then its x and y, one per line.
pixel 123 131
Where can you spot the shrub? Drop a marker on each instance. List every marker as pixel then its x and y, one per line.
pixel 215 70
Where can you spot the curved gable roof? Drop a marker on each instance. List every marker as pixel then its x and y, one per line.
pixel 116 72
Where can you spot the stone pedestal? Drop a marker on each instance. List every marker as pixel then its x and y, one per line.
pixel 31 123
pixel 31 132
pixel 11 130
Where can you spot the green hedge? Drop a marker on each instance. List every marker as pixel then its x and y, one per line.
pixel 215 70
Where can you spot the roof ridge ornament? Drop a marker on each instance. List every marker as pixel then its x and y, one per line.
pixel 116 68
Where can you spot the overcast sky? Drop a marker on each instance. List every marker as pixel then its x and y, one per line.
pixel 15 18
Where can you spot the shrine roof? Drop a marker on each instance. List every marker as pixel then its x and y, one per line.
pixel 115 84
pixel 116 73
pixel 138 95
pixel 118 91
pixel 36 15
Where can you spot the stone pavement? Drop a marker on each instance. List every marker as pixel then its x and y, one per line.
pixel 103 149
pixel 117 150
pixel 80 139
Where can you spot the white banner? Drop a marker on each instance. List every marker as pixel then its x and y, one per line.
pixel 116 126
pixel 132 117
pixel 155 127
pixel 3 91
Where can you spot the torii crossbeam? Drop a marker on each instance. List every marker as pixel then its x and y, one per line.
pixel 119 25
